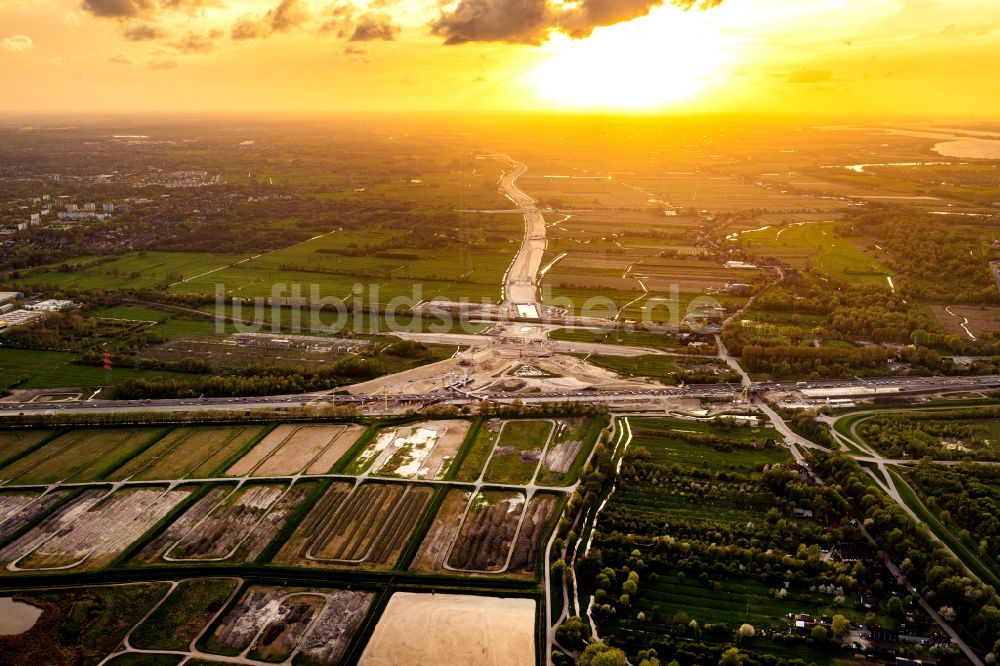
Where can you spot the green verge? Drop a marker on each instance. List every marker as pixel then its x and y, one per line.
pixel 463 451
pixel 963 552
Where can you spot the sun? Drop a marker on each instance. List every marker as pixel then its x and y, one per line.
pixel 657 61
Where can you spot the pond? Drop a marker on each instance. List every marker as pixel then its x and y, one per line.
pixel 16 617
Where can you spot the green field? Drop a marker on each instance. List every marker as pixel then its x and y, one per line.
pixel 188 453
pixel 478 450
pixel 817 246
pixel 79 455
pixel 178 620
pixel 29 368
pixel 676 441
pixel 14 444
pixel 511 462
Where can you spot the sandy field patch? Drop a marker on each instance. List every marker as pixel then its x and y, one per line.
pixel 423 450
pixel 292 449
pixel 453 630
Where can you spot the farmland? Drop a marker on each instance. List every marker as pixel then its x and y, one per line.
pixel 421 451
pixel 453 630
pixel 187 453
pixel 19 508
pixel 569 447
pixel 297 449
pixel 227 524
pixel 692 499
pixel 518 449
pixel 270 623
pixel 357 501
pixel 91 530
pixel 180 617
pixel 370 526
pixel 83 455
pixel 716 445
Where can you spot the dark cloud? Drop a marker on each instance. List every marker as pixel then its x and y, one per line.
pixel 142 32
pixel 338 19
pixel 356 53
pixel 163 64
pixel 810 76
pixel 196 43
pixel 372 26
pixel 529 21
pixel 249 28
pixel 287 15
pixel 120 8
pixel 121 59
pixel 126 9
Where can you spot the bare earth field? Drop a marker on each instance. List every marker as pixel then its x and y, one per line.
pixel 91 530
pixel 442 532
pixel 187 453
pixel 453 630
pixel 371 526
pixel 422 451
pixel 982 319
pixel 272 623
pixel 294 449
pixel 483 544
pixel 226 524
pixel 20 508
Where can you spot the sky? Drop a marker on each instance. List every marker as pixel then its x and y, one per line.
pixel 919 58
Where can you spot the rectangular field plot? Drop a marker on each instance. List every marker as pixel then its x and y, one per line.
pixel 567 451
pixel 227 524
pixel 518 450
pixel 487 532
pixel 453 630
pixel 421 451
pixel 479 451
pixel 13 444
pixel 183 614
pixel 80 455
pixel 90 531
pixel 491 533
pixel 365 528
pixel 707 444
pixel 272 624
pixel 187 453
pixel 297 449
pixel 18 509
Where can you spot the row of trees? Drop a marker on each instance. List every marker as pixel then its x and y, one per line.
pixel 924 562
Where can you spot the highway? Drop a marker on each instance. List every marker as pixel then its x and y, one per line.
pixel 520 287
pixel 399 403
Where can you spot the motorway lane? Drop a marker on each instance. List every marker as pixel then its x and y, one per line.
pixel 904 385
pixel 520 286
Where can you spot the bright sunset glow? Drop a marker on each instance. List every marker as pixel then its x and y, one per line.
pixel 660 60
pixel 801 56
